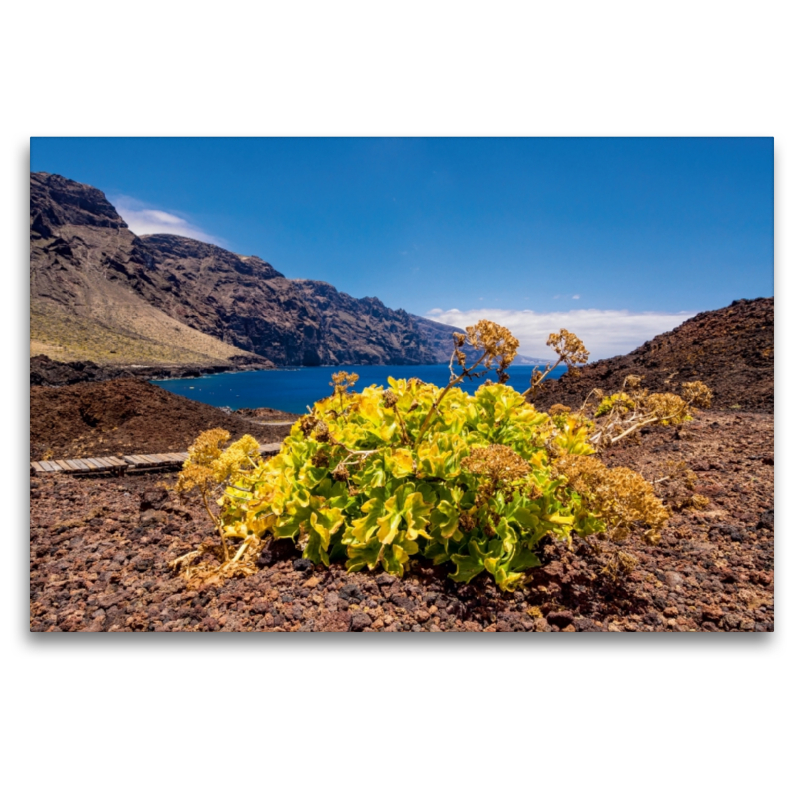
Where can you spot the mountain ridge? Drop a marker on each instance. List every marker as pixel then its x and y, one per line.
pixel 99 292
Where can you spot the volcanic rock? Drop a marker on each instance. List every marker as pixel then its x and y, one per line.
pixel 731 350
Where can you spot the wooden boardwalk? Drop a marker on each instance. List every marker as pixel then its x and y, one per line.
pixel 114 464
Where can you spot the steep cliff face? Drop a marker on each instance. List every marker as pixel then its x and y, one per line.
pixel 244 301
pixel 439 338
pixel 98 291
pixel 88 275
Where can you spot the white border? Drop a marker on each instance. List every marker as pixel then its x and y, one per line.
pixel 661 716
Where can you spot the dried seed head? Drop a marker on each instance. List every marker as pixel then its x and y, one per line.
pixel 342 381
pixel 321 432
pixel 494 340
pixel 619 565
pixel 496 462
pixel 696 394
pixel 459 339
pixel 632 382
pixel 389 398
pixel 669 408
pixel 569 347
pixel 340 473
pixel 466 522
pixel 307 424
pixel 534 493
pixel 620 496
pixel 320 459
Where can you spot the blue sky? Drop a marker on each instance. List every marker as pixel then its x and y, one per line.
pixel 616 239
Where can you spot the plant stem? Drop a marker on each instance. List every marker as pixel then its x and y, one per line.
pixel 535 386
pixel 434 407
pixel 215 520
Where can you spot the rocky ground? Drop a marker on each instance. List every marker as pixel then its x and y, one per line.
pixel 127 416
pixel 100 548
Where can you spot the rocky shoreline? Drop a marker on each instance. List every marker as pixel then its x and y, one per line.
pixel 44 371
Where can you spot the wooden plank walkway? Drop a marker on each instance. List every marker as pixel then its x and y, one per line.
pixel 134 463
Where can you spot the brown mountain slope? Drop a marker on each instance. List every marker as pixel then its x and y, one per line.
pixel 87 271
pixel 100 292
pixel 244 301
pixel 731 350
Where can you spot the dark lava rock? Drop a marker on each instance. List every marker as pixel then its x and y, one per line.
pixel 352 593
pixel 245 301
pixel 339 621
pixel 276 550
pixel 560 619
pixel 84 577
pixel 302 565
pixel 153 498
pixel 767 520
pixel 736 534
pixel 673 579
pixel 46 372
pixel 360 622
pixel 402 601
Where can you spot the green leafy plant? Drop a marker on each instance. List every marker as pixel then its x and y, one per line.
pixel 475 482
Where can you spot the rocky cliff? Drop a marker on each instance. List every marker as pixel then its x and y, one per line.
pixel 88 277
pixel 100 292
pixel 245 302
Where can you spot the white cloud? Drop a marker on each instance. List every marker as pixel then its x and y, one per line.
pixel 142 220
pixel 605 333
pixel 576 297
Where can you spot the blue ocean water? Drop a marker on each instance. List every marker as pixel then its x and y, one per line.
pixel 294 389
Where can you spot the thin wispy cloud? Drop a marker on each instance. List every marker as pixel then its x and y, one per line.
pixel 142 220
pixel 605 333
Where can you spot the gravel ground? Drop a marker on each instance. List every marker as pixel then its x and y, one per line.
pixel 100 547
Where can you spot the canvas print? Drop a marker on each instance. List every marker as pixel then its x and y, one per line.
pixel 516 385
